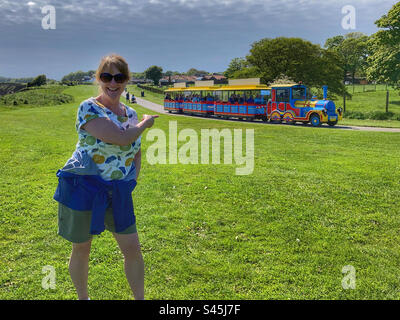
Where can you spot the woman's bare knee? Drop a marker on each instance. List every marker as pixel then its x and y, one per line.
pixel 129 245
pixel 82 249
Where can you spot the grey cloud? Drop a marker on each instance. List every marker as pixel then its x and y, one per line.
pixel 163 12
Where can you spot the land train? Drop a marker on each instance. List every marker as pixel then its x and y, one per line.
pixel 247 100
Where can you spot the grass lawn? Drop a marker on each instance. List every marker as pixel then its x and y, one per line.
pixel 372 101
pixel 151 96
pixel 318 200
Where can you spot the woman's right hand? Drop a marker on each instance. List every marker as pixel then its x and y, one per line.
pixel 149 119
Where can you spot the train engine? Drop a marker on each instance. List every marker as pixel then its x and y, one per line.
pixel 289 103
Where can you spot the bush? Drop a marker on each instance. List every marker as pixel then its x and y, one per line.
pixel 380 115
pixel 374 115
pixel 355 115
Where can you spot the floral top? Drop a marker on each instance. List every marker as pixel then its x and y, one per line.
pixel 114 162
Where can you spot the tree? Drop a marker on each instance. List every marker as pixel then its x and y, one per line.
pixel 38 81
pixel 77 76
pixel 195 72
pixel 236 64
pixel 246 72
pixel 283 79
pixel 352 50
pixel 298 59
pixel 138 75
pixel 154 73
pixel 384 62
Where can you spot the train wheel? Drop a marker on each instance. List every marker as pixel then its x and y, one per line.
pixel 315 120
pixel 332 123
pixel 289 118
pixel 265 118
pixel 275 118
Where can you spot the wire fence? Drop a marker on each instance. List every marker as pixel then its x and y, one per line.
pixel 358 88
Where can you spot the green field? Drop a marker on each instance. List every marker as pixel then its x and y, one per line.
pixel 318 200
pixel 49 95
pixel 368 102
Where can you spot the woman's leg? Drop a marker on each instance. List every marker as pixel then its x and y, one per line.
pixel 134 264
pixel 79 268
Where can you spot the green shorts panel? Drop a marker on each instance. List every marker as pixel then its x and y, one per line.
pixel 74 225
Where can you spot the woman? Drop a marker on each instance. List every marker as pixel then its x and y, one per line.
pixel 95 185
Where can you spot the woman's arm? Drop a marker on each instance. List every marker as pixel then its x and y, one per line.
pixel 107 131
pixel 137 160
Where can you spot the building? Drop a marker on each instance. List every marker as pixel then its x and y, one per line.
pixel 168 80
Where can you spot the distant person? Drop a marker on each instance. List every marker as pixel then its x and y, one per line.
pixel 142 93
pixel 95 185
pixel 127 96
pixel 133 99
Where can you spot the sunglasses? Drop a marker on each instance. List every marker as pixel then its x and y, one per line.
pixel 107 77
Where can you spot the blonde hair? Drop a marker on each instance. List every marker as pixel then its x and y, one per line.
pixel 116 60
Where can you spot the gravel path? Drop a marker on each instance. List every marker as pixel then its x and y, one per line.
pixel 160 109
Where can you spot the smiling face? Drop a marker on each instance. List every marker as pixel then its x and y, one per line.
pixel 112 64
pixel 112 89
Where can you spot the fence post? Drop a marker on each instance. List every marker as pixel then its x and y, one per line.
pixel 387 101
pixel 344 102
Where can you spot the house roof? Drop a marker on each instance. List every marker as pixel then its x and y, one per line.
pixel 193 78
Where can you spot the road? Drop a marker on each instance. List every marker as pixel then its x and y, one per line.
pixel 160 109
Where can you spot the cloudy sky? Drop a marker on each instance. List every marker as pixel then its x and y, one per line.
pixel 174 34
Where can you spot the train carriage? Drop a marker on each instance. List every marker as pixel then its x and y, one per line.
pixel 247 101
pixel 190 100
pixel 172 100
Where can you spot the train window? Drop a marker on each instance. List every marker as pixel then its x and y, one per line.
pixel 282 95
pixel 225 96
pixel 265 95
pixel 209 96
pixel 217 95
pixel 195 96
pixel 299 93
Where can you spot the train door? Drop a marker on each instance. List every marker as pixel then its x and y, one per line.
pixel 282 97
